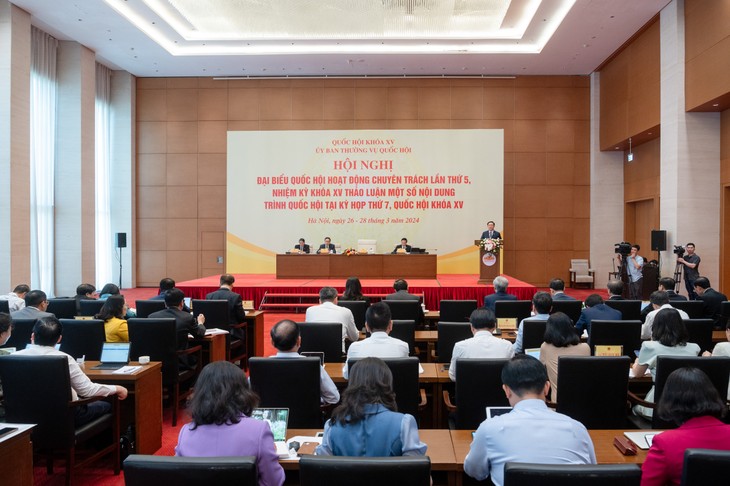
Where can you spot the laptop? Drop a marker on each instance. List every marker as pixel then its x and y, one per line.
pixel 497 411
pixel 113 356
pixel 278 419
pixel 534 352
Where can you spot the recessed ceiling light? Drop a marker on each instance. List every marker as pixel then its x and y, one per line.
pixel 648 133
pixel 716 104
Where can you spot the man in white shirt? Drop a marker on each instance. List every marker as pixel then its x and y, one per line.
pixel 46 334
pixel 286 339
pixel 659 300
pixel 36 304
pixel 329 311
pixel 531 432
pixel 16 298
pixel 483 344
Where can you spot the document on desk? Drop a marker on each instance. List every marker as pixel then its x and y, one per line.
pixel 127 370
pixel 642 439
pixel 213 331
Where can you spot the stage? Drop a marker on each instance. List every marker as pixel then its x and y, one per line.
pixel 443 287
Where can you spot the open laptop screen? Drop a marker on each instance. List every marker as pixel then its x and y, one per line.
pixel 277 419
pixel 115 353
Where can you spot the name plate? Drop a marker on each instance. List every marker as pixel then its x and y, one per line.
pixel 507 323
pixel 609 350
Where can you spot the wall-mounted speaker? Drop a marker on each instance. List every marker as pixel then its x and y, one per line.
pixel 122 240
pixel 658 240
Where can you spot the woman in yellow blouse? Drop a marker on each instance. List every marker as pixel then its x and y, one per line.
pixel 112 314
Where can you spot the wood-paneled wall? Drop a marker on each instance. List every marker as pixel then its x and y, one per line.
pixel 181 156
pixel 725 201
pixel 642 195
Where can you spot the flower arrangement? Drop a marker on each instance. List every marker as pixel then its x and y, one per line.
pixel 492 245
pixel 349 251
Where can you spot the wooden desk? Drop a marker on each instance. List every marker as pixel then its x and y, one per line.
pixel 718 337
pixel 214 347
pixel 255 333
pixel 364 266
pixel 143 406
pixel 16 451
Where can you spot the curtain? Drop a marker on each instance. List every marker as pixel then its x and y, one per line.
pixel 43 101
pixel 102 159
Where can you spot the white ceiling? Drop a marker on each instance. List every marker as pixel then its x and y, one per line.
pixel 360 45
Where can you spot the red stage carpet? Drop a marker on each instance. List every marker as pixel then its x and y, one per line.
pixel 444 287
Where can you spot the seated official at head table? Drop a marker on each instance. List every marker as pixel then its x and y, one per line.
pixel 327 246
pixel 404 247
pixel 301 247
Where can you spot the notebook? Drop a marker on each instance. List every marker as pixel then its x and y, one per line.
pixel 113 356
pixel 278 419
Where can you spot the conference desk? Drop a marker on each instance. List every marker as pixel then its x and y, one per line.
pixel 255 333
pixel 214 347
pixel 16 451
pixel 364 266
pixel 143 406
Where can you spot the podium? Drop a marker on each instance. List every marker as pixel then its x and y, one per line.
pixel 489 265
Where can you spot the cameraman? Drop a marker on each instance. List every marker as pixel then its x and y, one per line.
pixel 634 263
pixel 691 262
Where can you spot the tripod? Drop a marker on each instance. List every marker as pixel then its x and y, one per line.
pixel 677 277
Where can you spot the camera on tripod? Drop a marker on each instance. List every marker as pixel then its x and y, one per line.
pixel 678 250
pixel 623 248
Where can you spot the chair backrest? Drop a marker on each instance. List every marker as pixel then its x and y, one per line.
pixel 405 382
pixel 703 467
pixel 717 369
pixel 156 338
pixel 593 390
pixel 700 332
pixel 405 331
pixel 325 337
pixel 370 246
pixel 140 470
pixel 62 308
pixel 83 338
pixel 613 333
pixel 405 310
pixel 364 471
pixel 450 333
pixel 570 307
pixel 693 308
pixel 20 337
pixel 513 308
pixel 525 474
pixel 4 306
pixel 215 312
pixel 533 334
pixel 147 307
pixel 37 390
pixel 630 309
pixel 90 307
pixel 456 310
pixel 358 308
pixel 478 385
pixel 292 383
pixel 579 266
pixel 724 313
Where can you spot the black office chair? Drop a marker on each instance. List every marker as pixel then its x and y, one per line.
pixel 217 317
pixel 593 390
pixel 630 309
pixel 147 307
pixel 571 308
pixel 90 307
pixel 519 309
pixel 4 306
pixel 616 333
pixel 20 337
pixel 724 313
pixel 700 332
pixel 358 308
pixel 450 333
pixel 705 467
pixel 292 383
pixel 141 470
pixel 83 338
pixel 478 385
pixel 37 390
pixel 693 308
pixel 157 338
pixel 62 308
pixel 406 310
pixel 456 310
pixel 525 474
pixel 364 471
pixel 533 334
pixel 324 337
pixel 409 398
pixel 405 331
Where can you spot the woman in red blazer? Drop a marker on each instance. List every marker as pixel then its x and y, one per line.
pixel 691 401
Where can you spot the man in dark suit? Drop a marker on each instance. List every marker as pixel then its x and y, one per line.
pixel 236 314
pixel 595 309
pixel 500 293
pixel 491 232
pixel 401 291
pixel 165 285
pixel 185 323
pixel 666 284
pixel 712 298
pixel 557 290
pixel 36 304
pixel 615 290
pixel 403 246
pixel 302 247
pixel 327 245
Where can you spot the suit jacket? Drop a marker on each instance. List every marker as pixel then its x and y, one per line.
pixel 30 313
pixel 495 234
pixel 402 295
pixel 489 300
pixel 408 248
pixel 616 297
pixel 331 247
pixel 600 312
pixel 713 305
pixel 306 248
pixel 563 296
pixel 236 314
pixel 674 296
pixel 185 324
pixel 162 297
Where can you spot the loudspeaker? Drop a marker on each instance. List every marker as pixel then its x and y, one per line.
pixel 658 240
pixel 122 240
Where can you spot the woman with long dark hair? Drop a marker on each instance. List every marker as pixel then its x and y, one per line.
pixel 561 339
pixel 353 290
pixel 222 425
pixel 366 423
pixel 115 325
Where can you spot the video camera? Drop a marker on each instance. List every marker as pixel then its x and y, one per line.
pixel 678 250
pixel 623 248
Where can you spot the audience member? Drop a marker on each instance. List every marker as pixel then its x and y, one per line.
pixel 691 401
pixel 401 291
pixel 541 305
pixel 36 304
pixel 668 338
pixel 557 290
pixel 667 284
pixel 329 311
pixel 16 298
pixel 353 290
pixel 531 432
pixel 6 328
pixel 85 291
pixel 236 314
pixel 108 290
pixel 286 339
pixel 713 301
pixel 185 323
pixel 615 290
pixel 115 325
pixel 595 309
pixel 500 284
pixel 46 334
pixel 221 409
pixel 165 284
pixel 721 349
pixel 561 339
pixel 366 422
pixel 658 300
pixel 483 344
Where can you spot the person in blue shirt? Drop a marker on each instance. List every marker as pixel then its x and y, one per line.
pixel 542 303
pixel 365 423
